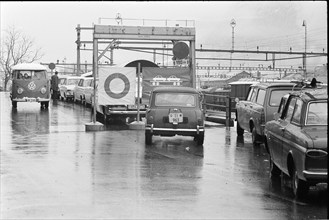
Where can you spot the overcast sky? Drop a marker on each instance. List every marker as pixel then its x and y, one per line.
pixel 269 25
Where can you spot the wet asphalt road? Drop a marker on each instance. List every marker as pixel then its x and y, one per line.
pixel 51 168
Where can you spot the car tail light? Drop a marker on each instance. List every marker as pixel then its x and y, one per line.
pixel 316 159
pixel 262 117
pixel 316 153
pixel 20 90
pixel 43 90
pixel 150 120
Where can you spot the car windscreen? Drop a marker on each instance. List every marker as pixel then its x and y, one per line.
pixel 276 95
pixel 87 82
pixel 175 99
pixel 73 81
pixel 317 113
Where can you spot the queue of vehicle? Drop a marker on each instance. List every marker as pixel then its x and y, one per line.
pixel 297 139
pixel 291 120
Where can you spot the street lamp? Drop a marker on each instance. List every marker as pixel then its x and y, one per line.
pixel 233 23
pixel 304 59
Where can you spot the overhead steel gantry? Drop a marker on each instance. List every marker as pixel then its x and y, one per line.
pixel 115 34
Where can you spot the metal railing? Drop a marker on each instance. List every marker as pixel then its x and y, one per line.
pixel 220 107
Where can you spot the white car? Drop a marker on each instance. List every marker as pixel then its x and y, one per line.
pixel 89 93
pixel 79 91
pixel 66 86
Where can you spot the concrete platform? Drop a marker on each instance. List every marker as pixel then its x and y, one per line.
pixel 97 126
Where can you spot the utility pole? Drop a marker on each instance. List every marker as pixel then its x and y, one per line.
pixel 304 59
pixel 233 23
pixel 78 50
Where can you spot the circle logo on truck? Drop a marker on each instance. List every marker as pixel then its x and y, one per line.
pixel 108 89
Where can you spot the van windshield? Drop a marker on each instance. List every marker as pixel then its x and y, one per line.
pixel 30 74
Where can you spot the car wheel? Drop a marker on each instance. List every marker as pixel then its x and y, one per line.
pixel 255 137
pixel 239 130
pixel 299 187
pixel 148 138
pixel 275 171
pixel 200 139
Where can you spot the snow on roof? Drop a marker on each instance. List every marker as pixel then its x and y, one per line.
pixel 29 66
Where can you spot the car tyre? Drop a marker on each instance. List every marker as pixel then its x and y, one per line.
pixel 275 171
pixel 81 100
pixel 255 137
pixel 200 139
pixel 239 130
pixel 299 187
pixel 148 138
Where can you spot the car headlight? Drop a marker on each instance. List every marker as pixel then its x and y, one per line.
pixel 20 90
pixel 43 90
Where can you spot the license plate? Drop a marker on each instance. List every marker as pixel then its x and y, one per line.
pixel 30 99
pixel 175 118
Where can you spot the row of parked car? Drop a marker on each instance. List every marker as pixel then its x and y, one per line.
pixel 77 89
pixel 291 120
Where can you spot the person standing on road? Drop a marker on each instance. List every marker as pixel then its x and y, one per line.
pixel 54 85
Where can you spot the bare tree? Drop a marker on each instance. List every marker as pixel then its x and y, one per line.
pixel 16 48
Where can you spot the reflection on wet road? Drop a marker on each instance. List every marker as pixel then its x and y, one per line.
pixel 52 168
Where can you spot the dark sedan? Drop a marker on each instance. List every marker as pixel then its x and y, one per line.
pixel 297 139
pixel 175 111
